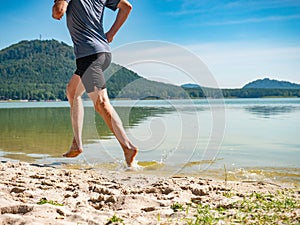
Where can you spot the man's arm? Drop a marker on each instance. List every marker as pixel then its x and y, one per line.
pixel 59 8
pixel 124 9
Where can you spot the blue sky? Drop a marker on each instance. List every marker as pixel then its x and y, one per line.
pixel 239 41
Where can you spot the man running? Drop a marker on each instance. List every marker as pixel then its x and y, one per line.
pixel 92 51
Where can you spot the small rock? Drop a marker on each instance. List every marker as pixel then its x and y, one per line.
pixel 111 199
pixel 17 190
pixel 96 199
pixel 60 212
pixel 184 187
pixel 200 191
pixel 101 190
pixel 67 196
pixel 75 195
pixel 196 200
pixel 167 190
pixel 151 190
pixel 67 173
pixel 148 209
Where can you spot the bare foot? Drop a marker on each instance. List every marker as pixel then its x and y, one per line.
pixel 72 153
pixel 130 154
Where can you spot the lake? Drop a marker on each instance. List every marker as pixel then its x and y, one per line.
pixel 246 139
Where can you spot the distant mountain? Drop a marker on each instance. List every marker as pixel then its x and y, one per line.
pixel 40 70
pixel 258 89
pixel 274 84
pixel 190 86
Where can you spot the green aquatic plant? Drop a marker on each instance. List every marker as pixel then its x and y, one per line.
pixel 158 217
pixel 115 219
pixel 206 215
pixel 228 194
pixel 177 207
pixel 45 201
pixel 254 208
pixel 266 208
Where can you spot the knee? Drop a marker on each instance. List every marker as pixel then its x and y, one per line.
pixel 100 100
pixel 70 93
pixel 101 104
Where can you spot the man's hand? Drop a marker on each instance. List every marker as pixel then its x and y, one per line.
pixel 124 9
pixel 59 9
pixel 109 36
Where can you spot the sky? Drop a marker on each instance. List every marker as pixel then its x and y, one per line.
pixel 236 41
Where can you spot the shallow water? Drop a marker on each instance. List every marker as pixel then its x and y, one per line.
pixel 250 139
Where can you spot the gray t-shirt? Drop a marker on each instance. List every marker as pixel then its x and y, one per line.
pixel 85 24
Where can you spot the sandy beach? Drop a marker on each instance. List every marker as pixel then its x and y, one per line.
pixel 34 194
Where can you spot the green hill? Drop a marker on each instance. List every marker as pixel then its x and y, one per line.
pixel 40 70
pixel 275 84
pixel 35 70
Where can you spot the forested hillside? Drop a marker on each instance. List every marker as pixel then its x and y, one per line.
pixel 35 70
pixel 242 93
pixel 257 89
pixel 40 70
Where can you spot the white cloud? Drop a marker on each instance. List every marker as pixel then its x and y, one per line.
pixel 234 64
pixel 193 7
pixel 164 61
pixel 220 64
pixel 254 20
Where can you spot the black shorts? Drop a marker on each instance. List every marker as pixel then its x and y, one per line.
pixel 91 70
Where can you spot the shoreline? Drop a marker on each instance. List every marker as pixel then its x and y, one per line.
pixel 288 176
pixel 152 99
pixel 71 196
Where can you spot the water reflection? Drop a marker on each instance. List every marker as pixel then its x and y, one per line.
pixel 268 111
pixel 28 133
pixel 130 116
pixel 35 130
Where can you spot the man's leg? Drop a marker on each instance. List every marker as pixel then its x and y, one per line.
pixel 111 118
pixel 75 90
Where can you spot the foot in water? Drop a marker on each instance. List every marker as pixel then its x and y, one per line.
pixel 72 153
pixel 74 150
pixel 130 154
